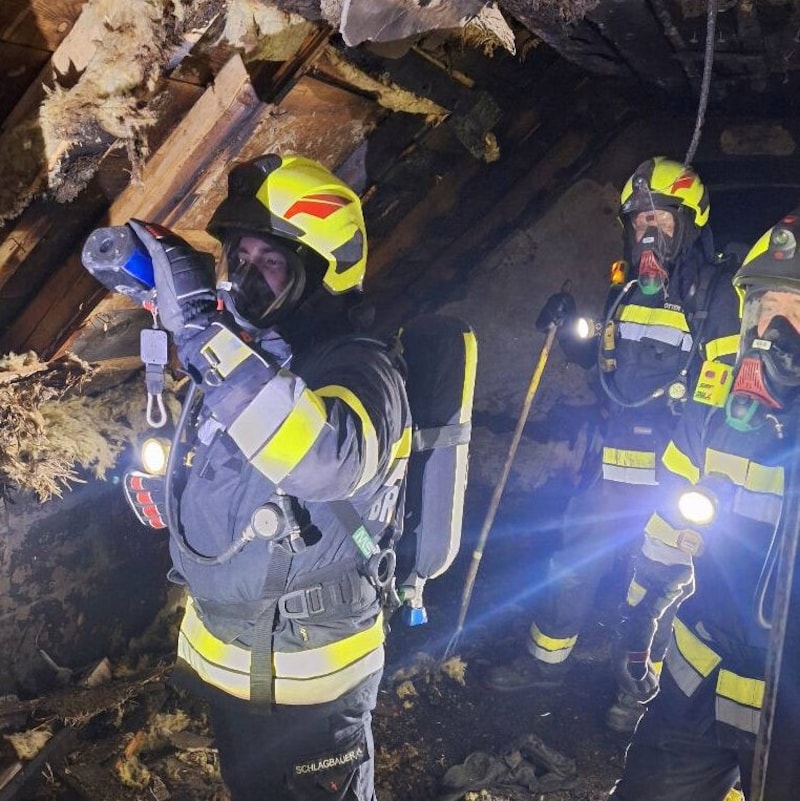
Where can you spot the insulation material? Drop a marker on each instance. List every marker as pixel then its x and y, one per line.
pixel 488 30
pixel 113 97
pixel 263 32
pixel 49 432
pixel 389 95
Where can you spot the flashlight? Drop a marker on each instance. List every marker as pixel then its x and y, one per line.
pixel 586 328
pixel 155 454
pixel 698 506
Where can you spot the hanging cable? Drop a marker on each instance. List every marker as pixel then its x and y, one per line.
pixel 705 84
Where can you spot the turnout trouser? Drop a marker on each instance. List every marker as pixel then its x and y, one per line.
pixel 298 753
pixel 601 525
pixel 679 752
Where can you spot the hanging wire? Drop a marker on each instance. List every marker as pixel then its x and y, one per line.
pixel 705 84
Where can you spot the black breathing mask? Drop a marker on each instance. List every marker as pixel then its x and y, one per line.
pixel 767 375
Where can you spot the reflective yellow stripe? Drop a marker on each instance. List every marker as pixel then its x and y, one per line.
pixel 329 658
pixel 368 435
pixel 676 461
pixel 293 439
pixel 734 794
pixel 629 458
pixel 550 649
pixel 636 593
pixel 684 539
pixel 312 676
pixel 629 466
pixel 744 473
pixel 747 692
pixel 225 352
pixel 647 316
pixel 470 369
pixel 739 700
pixel 724 346
pixel 694 650
pixel 402 448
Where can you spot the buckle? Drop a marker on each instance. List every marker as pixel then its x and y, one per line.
pixel 310 600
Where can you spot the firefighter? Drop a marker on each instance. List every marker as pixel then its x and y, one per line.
pixel 717 524
pixel 296 449
pixel 662 321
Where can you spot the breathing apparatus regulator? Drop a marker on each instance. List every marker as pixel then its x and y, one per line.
pixel 767 374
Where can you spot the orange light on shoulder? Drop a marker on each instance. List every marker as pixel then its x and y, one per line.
pixel 618 273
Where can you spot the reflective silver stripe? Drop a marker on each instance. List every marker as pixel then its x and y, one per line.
pixel 689 660
pixel 683 539
pixel 549 649
pixel 265 413
pixel 739 701
pixel 658 551
pixel 629 475
pixel 636 332
pixel 327 688
pixel 757 506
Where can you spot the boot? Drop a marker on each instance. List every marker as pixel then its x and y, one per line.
pixel 525 673
pixel 624 714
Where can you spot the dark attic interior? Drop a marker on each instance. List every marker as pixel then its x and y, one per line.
pixel 488 143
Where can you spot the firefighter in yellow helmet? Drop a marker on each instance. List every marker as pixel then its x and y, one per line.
pixel 291 441
pixel 718 524
pixel 672 311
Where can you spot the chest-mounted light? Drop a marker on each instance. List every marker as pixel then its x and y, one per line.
pixel 155 455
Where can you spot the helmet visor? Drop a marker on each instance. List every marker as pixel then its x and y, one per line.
pixel 261 278
pixel 771 326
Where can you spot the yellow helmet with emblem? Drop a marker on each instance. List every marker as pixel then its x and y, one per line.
pixel 662 183
pixel 305 217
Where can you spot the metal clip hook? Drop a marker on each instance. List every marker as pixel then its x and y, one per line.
pixel 162 418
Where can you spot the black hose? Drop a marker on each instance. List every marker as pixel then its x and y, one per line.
pixel 173 521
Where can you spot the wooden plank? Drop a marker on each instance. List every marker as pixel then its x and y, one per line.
pixel 24 64
pixel 41 24
pixel 301 123
pixel 71 292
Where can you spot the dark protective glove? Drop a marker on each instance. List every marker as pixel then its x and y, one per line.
pixel 557 308
pixel 184 279
pixel 630 656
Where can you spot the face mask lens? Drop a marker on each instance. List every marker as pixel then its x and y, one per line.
pixel 263 279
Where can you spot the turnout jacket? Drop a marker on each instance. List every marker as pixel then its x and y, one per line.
pixel 274 623
pixel 647 343
pixel 717 638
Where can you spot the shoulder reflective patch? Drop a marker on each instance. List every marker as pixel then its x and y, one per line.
pixel 293 439
pixel 676 461
pixel 470 370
